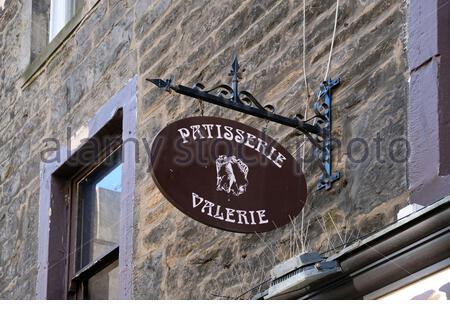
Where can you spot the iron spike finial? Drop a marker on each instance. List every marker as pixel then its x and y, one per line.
pixel 235 79
pixel 162 84
pixel 235 65
pixel 157 82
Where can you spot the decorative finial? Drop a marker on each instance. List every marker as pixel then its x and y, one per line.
pixel 235 78
pixel 162 84
pixel 235 66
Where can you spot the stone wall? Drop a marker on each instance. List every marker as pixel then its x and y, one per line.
pixel 174 256
pixel 95 62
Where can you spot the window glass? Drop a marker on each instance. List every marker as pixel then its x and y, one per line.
pixel 105 284
pixel 61 11
pixel 99 210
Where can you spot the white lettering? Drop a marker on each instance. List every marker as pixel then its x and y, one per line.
pixel 196 130
pixel 262 215
pixel 196 197
pixel 242 215
pixel 250 138
pixel 208 205
pixel 219 214
pixel 217 131
pixel 240 136
pixel 230 214
pixel 227 214
pixel 271 153
pixel 252 216
pixel 263 144
pixel 184 134
pixel 209 128
pixel 279 161
pixel 228 133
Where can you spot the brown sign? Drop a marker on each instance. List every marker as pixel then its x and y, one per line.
pixel 227 175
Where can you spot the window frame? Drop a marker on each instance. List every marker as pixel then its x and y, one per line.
pixel 36 65
pixel 54 199
pixel 428 112
pixel 77 279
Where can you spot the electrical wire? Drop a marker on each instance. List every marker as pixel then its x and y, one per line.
pixel 306 83
pixel 304 55
pixel 327 70
pixel 332 41
pixel 305 77
pixel 305 115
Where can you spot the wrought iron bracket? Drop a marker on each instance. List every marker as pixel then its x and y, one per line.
pixel 322 109
pixel 319 133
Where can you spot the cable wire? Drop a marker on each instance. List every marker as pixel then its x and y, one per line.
pixel 306 83
pixel 304 55
pixel 332 41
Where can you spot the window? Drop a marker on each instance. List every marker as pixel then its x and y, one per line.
pixel 48 18
pixel 52 22
pixel 95 211
pixel 86 206
pixel 61 11
pixel 85 244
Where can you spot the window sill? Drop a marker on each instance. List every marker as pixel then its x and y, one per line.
pixel 36 66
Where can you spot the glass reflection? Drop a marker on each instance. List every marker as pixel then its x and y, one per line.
pixel 99 210
pixel 105 284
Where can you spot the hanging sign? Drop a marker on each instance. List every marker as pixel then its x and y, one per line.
pixel 227 175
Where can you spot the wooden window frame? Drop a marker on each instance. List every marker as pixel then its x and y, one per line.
pixel 54 200
pixel 77 279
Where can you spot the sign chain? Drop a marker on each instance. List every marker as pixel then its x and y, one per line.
pixel 202 108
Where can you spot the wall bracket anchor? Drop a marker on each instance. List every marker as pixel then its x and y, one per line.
pixel 322 109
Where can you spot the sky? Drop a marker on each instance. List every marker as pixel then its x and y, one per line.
pixel 113 181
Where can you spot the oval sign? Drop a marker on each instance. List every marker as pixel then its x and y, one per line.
pixel 227 175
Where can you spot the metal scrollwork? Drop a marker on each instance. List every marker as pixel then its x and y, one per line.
pixel 232 93
pixel 229 96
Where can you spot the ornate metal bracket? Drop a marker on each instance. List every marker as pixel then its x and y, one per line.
pixel 230 97
pixel 322 109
